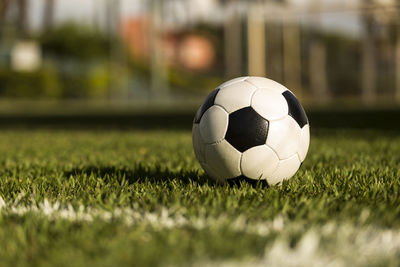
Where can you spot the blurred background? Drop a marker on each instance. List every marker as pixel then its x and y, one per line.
pixel 112 55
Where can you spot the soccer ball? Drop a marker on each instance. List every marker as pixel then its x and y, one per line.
pixel 252 127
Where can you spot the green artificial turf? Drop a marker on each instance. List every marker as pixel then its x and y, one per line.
pixel 123 198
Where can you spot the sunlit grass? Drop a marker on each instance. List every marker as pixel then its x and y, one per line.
pixel 141 198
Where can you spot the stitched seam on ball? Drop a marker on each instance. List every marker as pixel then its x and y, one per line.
pixel 240 164
pixel 281 118
pixel 279 160
pixel 298 156
pixel 246 80
pixel 296 153
pixel 252 95
pixel 269 125
pixel 276 168
pixel 226 126
pixel 216 142
pixel 218 105
pixel 273 150
pixel 251 98
pixel 238 81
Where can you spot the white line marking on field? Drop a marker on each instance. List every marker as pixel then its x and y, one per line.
pixel 131 216
pixel 331 244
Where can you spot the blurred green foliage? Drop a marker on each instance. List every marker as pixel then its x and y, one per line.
pixel 50 82
pixel 193 82
pixel 80 80
pixel 75 42
pixel 83 62
pixel 41 83
pixel 80 53
pixel 343 63
pixel 75 66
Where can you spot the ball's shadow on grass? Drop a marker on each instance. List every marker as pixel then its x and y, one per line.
pixel 154 175
pixel 242 181
pixel 140 174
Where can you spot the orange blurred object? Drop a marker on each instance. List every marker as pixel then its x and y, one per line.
pixel 187 50
pixel 196 52
pixel 135 32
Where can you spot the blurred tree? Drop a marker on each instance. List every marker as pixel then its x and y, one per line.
pixel 256 39
pixel 343 64
pixel 48 14
pixel 158 60
pixel 113 9
pixel 77 42
pixel 397 57
pixel 288 58
pixel 274 47
pixel 22 18
pixel 368 60
pixel 318 58
pixel 292 57
pixel 233 39
pixel 4 5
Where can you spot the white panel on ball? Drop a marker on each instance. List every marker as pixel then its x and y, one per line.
pixel 259 162
pixel 269 104
pixel 235 96
pixel 230 82
pixel 223 159
pixel 284 137
pixel 304 142
pixel 213 125
pixel 210 172
pixel 261 82
pixel 198 143
pixel 286 169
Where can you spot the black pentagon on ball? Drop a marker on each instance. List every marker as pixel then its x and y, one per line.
pixel 296 111
pixel 246 129
pixel 208 103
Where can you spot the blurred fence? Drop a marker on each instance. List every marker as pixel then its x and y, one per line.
pixel 327 52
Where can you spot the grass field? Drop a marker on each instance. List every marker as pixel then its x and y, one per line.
pixel 138 197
